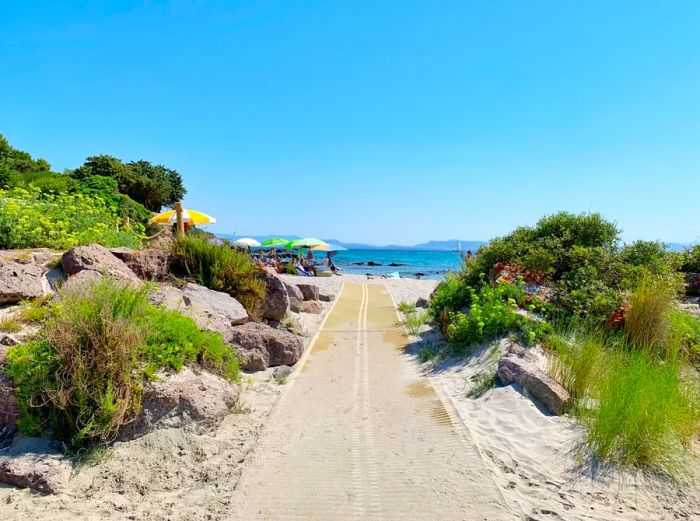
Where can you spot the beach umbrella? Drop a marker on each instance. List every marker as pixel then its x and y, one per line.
pixel 329 247
pixel 247 242
pixel 188 216
pixel 308 242
pixel 274 243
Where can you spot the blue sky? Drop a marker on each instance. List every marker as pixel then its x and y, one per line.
pixel 393 121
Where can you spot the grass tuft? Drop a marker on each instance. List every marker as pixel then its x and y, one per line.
pixel 10 325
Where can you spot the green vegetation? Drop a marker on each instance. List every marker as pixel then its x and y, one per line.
pixel 83 376
pixel 220 268
pixel 10 325
pixel 405 307
pixel 493 313
pixel 31 219
pixel 154 186
pixel 414 320
pixel 626 354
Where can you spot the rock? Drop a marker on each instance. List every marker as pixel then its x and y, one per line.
pixel 422 303
pixel 148 264
pixel 9 412
pixel 295 297
pixel 176 399
pixel 212 310
pixel 274 346
pixel 253 359
pixel 35 463
pixel 276 303
pixel 81 279
pixel 372 263
pixel 282 371
pixel 20 281
pixel 513 369
pixel 692 281
pixel 312 306
pixel 7 339
pixel 395 264
pixel 326 298
pixel 309 291
pixel 97 258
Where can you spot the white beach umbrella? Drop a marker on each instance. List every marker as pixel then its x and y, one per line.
pixel 247 242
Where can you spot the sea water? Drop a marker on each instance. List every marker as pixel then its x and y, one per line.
pixel 431 264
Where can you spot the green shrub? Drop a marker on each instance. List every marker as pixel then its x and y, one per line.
pixel 492 313
pixel 221 268
pixel 173 340
pixel 691 260
pixel 83 378
pixel 646 415
pixel 450 295
pixel 32 219
pixel 685 329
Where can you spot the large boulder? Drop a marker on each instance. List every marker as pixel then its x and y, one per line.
pixel 97 258
pixel 20 281
pixel 276 303
pixel 513 369
pixel 295 297
pixel 148 264
pixel 212 310
pixel 81 280
pixel 35 463
pixel 176 399
pixel 309 291
pixel 270 346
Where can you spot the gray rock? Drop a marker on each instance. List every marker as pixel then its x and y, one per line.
pixel 148 264
pixel 177 399
pixel 97 258
pixel 326 298
pixel 35 463
pixel 295 297
pixel 522 371
pixel 271 346
pixel 256 359
pixel 212 310
pixel 312 306
pixel 282 371
pixel 20 281
pixel 309 291
pixel 276 303
pixel 422 303
pixel 81 280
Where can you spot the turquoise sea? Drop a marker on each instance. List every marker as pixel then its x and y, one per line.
pixel 432 264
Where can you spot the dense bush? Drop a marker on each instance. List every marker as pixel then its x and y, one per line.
pixel 221 268
pixel 82 379
pixel 691 260
pixel 30 218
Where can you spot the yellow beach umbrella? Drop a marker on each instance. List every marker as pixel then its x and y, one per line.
pixel 188 216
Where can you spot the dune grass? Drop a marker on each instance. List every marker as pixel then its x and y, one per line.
pixel 82 378
pixel 10 325
pixel 221 268
pixel 645 415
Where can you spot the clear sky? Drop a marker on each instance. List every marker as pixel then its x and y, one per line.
pixel 383 122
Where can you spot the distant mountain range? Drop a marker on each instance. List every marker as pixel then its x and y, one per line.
pixel 449 245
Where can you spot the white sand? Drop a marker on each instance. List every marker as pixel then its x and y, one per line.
pixel 536 458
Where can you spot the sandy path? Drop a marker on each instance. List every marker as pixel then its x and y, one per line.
pixel 359 434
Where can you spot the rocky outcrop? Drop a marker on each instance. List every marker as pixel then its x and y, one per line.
pixel 20 281
pixel 518 368
pixel 148 264
pixel 309 291
pixel 35 463
pixel 311 306
pixel 276 302
pixel 260 346
pixel 212 310
pixel 692 283
pixel 99 259
pixel 295 297
pixel 176 399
